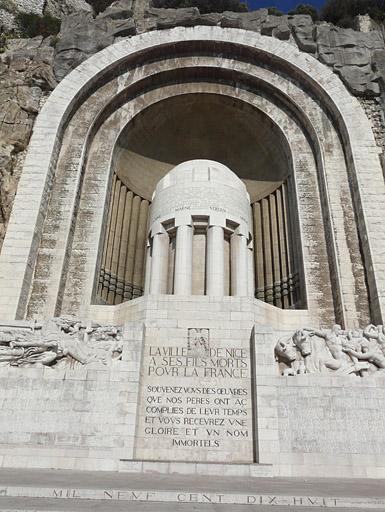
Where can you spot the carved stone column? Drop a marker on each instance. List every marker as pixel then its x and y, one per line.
pixel 250 272
pixel 183 261
pixel 239 265
pixel 215 272
pixel 159 264
pixel 147 275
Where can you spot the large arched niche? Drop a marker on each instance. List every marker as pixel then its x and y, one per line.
pixel 64 147
pixel 206 126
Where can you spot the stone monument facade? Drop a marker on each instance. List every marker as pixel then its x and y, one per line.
pixel 192 277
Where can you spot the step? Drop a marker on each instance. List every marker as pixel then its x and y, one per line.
pixel 45 505
pixel 197 468
pixel 53 491
pixel 186 496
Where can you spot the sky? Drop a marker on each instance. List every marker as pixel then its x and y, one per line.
pixel 283 5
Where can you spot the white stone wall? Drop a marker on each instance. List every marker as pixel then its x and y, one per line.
pixel 91 418
pixel 308 425
pixel 321 418
pixel 96 192
pixel 318 424
pixel 71 418
pixel 332 176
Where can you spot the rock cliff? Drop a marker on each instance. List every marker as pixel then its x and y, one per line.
pixel 31 68
pixel 57 8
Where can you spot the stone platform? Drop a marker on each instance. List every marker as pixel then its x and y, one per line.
pixel 38 490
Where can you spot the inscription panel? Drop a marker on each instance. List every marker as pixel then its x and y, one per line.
pixel 332 420
pixel 209 200
pixel 186 496
pixel 195 400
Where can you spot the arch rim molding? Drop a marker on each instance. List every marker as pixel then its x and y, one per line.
pixel 362 154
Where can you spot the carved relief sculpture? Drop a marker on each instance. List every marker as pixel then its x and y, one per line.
pixel 198 340
pixel 59 341
pixel 342 352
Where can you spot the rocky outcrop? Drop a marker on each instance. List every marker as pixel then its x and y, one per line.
pixel 82 35
pixel 120 10
pixel 350 53
pixel 60 9
pixel 57 8
pixel 26 80
pixel 30 69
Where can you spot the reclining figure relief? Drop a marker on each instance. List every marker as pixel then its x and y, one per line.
pixel 59 342
pixel 338 351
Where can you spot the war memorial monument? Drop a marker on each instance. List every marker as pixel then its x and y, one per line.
pixel 192 276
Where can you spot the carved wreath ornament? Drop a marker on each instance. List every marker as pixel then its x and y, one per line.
pixel 59 341
pixel 342 352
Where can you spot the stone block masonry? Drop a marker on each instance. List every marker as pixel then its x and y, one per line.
pixel 73 419
pixel 197 377
pixel 361 71
pixel 73 416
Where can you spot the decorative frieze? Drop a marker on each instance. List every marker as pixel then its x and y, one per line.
pixel 343 352
pixel 58 342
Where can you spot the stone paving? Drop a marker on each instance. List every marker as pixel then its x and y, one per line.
pixel 28 505
pixel 55 491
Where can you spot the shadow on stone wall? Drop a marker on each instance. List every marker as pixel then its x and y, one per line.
pixel 31 68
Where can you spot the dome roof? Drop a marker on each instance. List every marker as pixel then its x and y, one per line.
pixel 201 171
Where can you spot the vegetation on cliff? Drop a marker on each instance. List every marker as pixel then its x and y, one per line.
pixel 305 9
pixel 32 25
pixel 343 12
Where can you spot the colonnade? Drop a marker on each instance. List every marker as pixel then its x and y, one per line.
pixel 121 276
pixel 266 268
pixel 241 270
pixel 276 263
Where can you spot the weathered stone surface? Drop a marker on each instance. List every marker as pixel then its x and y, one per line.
pixel 168 18
pixel 304 32
pixel 192 328
pixel 59 341
pixel 26 78
pixel 80 37
pixel 349 53
pixel 34 6
pixel 119 10
pixel 56 8
pixel 61 9
pixel 253 20
pixel 31 68
pixel 212 19
pixel 230 20
pixel 7 186
pixel 360 352
pixel 276 26
pixel 7 20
